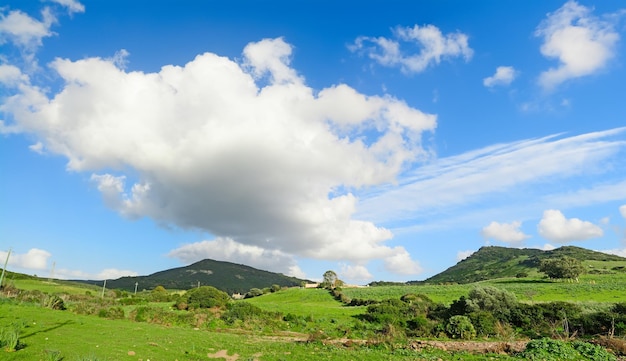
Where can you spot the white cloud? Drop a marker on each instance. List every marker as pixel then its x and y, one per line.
pixel 622 210
pixel 401 263
pixel 504 76
pixel 72 6
pixel 106 274
pixel 582 43
pixel 37 147
pixel 555 227
pixel 356 273
pixel 26 32
pixel 505 232
pixel 461 255
pixel 11 76
pixel 35 259
pixel 617 251
pixel 113 273
pixel 209 149
pixel 434 46
pixel 226 249
pixel 547 247
pixel 503 171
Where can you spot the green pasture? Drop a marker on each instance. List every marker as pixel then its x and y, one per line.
pixel 54 286
pixel 590 288
pixel 46 332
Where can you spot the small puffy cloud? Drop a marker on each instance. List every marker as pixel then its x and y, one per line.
pixel 504 76
pixel 23 30
pixel 37 147
pixel 622 210
pixel 461 255
pixel 505 232
pixel 355 273
pixel 34 259
pixel 555 227
pixel 245 151
pixel 73 6
pixel 433 44
pixel 582 43
pixel 547 247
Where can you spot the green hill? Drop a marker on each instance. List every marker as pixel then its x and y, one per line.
pixel 498 262
pixel 226 276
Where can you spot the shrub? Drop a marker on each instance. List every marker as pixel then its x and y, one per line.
pixel 254 292
pixel 491 299
pixel 391 311
pixel 113 313
pixel 546 349
pixel 243 311
pixel 10 338
pixel 484 322
pixel 53 302
pixel 460 327
pixel 206 297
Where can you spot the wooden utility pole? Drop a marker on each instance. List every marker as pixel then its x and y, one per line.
pixel 104 288
pixel 6 262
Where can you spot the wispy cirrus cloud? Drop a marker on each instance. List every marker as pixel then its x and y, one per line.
pixel 499 172
pixel 433 47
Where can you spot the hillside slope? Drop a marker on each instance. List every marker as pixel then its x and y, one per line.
pixel 226 276
pixel 497 262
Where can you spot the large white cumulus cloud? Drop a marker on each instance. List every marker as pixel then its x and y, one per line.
pixel 204 146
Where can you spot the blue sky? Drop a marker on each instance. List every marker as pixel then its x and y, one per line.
pixel 382 140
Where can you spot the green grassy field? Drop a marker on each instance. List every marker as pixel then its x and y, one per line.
pixel 79 338
pixel 305 314
pixel 54 286
pixel 591 288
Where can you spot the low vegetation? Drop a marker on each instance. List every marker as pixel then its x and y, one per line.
pixel 528 317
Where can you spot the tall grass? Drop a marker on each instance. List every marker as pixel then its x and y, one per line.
pixel 10 337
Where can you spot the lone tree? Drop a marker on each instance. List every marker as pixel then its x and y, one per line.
pixel 562 268
pixel 330 280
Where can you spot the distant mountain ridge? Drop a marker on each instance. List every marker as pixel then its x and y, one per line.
pixel 491 262
pixel 226 276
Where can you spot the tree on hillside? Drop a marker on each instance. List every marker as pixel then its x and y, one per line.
pixel 330 279
pixel 562 268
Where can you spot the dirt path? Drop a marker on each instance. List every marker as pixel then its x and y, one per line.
pixel 471 346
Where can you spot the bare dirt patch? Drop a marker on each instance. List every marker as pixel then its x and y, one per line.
pixel 224 354
pixel 472 346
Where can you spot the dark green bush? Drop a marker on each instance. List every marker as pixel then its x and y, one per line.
pixel 243 311
pixel 491 299
pixel 546 349
pixel 460 327
pixel 113 313
pixel 254 292
pixel 484 322
pixel 206 297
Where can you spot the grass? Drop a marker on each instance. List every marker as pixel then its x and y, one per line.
pixel 317 307
pixel 54 286
pixel 591 288
pixel 51 335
